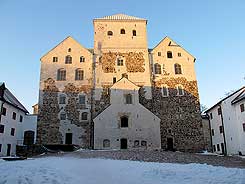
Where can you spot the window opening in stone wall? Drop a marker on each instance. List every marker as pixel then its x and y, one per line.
pixel 124 121
pixel 169 54
pixel 164 91
pixel 177 69
pixel 62 99
pixel 69 50
pixel 82 59
pixel 157 68
pixel 61 74
pixel 1 128
pixel 79 74
pixel 55 59
pixel 242 107
pixel 109 33
pixel 21 118
pixel 114 80
pixel 68 60
pixel 84 116
pixel 180 90
pixel 136 143
pixel 218 148
pixel 128 99
pixel 179 54
pixel 119 62
pixel 221 129
pixel 12 131
pixel 143 143
pixel 62 116
pixel 14 116
pixel 122 31
pixel 219 111
pixel 106 143
pixel 82 99
pixel 4 111
pixel 134 32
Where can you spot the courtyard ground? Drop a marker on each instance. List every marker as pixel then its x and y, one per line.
pixel 103 167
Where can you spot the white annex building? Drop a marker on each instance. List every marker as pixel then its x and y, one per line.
pixel 227 123
pixel 17 126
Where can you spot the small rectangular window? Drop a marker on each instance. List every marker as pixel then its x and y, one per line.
pixel 82 59
pixel 62 100
pixel 4 111
pixel 159 53
pixel 214 148
pixel 212 132
pixel 55 59
pixel 119 62
pixel 218 148
pixel 63 116
pixel 114 80
pixel 12 131
pixel 1 128
pixel 0 147
pixel 211 116
pixel 179 54
pixel 242 107
pixel 243 125
pixel 221 129
pixel 21 118
pixel 82 99
pixel 219 111
pixel 14 116
pixel 128 99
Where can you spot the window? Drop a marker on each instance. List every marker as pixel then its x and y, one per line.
pixel 219 111
pixel 136 143
pixel 68 60
pixel 84 116
pixel 61 74
pixel 114 80
pixel 29 137
pixel 82 99
pixel 169 54
pixel 109 33
pixel 134 32
pixel 124 121
pixel 212 131
pixel 164 91
pixel 180 90
pixel 143 143
pixel 55 59
pixel 122 31
pixel 1 128
pixel 128 99
pixel 21 118
pixel 179 54
pixel 177 69
pixel 62 116
pixel 14 116
pixel 69 50
pixel 79 74
pixel 221 129
pixel 214 148
pixel 242 107
pixel 4 111
pixel 82 59
pixel 158 69
pixel 0 147
pixel 243 126
pixel 62 99
pixel 119 62
pixel 12 131
pixel 211 116
pixel 218 148
pixel 159 53
pixel 106 143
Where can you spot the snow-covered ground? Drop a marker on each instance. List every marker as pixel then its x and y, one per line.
pixel 57 170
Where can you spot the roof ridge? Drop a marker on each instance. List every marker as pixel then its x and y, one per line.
pixel 119 16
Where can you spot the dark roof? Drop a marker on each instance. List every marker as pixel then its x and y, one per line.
pixel 240 97
pixel 225 98
pixel 9 98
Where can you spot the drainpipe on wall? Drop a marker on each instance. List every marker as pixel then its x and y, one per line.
pixel 1 107
pixel 222 121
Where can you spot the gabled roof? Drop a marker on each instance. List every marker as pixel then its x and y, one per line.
pixel 12 100
pixel 171 43
pixel 129 84
pixel 240 97
pixel 242 88
pixel 119 17
pixel 69 37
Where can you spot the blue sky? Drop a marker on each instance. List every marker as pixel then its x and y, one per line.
pixel 211 30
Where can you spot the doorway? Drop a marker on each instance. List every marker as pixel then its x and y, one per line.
pixel 68 138
pixel 124 144
pixel 170 144
pixel 8 149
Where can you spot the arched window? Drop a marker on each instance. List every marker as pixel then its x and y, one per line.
pixel 62 116
pixel 177 69
pixel 68 60
pixel 169 54
pixel 109 33
pixel 180 90
pixel 84 116
pixel 128 99
pixel 143 143
pixel 157 68
pixel 61 74
pixel 69 50
pixel 122 31
pixel 164 91
pixel 82 59
pixel 134 32
pixel 106 143
pixel 124 121
pixel 136 143
pixel 79 74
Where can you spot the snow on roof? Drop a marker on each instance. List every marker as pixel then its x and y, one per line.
pixel 119 17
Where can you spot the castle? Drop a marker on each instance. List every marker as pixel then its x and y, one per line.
pixel 120 94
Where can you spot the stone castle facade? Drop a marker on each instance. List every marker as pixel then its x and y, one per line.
pixel 120 94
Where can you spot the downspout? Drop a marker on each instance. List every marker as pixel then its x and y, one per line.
pixel 1 107
pixel 222 121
